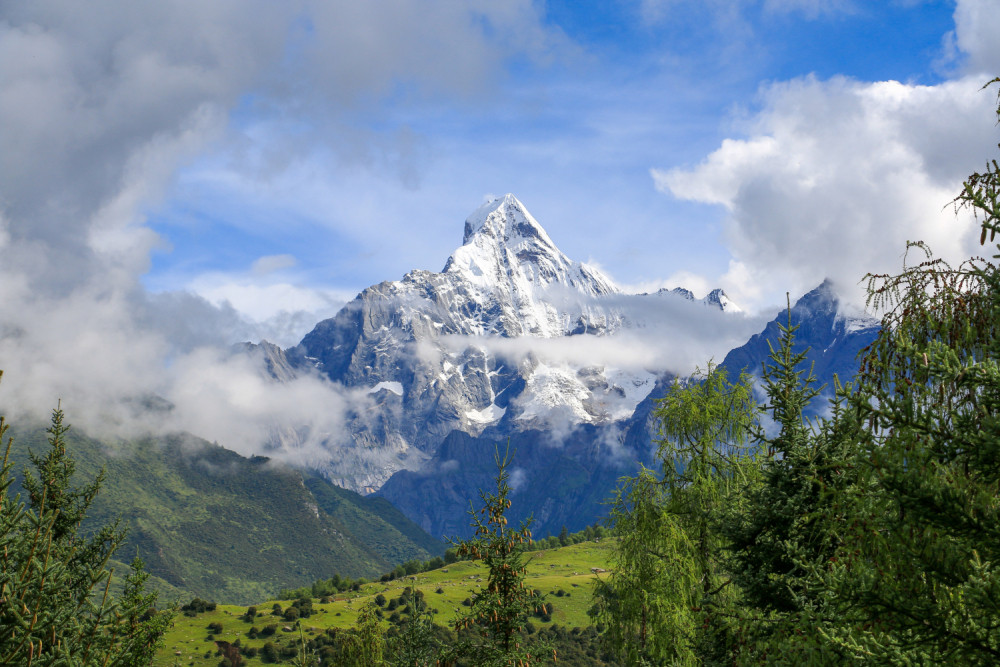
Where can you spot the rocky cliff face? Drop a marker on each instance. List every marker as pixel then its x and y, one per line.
pixel 568 485
pixel 427 347
pixel 450 365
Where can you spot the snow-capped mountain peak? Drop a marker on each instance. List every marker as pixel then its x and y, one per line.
pixel 505 218
pixel 717 298
pixel 720 300
pixel 505 248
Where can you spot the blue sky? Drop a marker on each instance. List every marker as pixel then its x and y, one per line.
pixel 280 157
pixel 569 106
pixel 179 175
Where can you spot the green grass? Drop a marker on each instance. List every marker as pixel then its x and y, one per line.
pixel 567 569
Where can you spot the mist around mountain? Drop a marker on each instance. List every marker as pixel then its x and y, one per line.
pixel 570 483
pixel 513 344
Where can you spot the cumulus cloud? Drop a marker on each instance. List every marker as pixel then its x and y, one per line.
pixel 976 27
pixel 836 176
pixel 102 104
pixel 833 177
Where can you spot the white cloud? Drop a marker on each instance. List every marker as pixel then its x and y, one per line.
pixel 272 263
pixel 835 176
pixel 977 24
pixel 664 333
pixel 278 311
pixel 101 104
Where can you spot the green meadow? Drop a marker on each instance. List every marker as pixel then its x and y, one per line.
pixel 563 576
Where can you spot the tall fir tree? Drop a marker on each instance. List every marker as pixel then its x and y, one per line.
pixel 56 607
pixel 921 571
pixel 493 627
pixel 788 527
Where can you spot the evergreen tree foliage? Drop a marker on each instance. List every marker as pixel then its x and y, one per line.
pixel 55 602
pixel 763 561
pixel 500 611
pixel 417 644
pixel 920 573
pixel 787 531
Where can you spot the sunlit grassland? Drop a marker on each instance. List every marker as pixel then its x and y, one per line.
pixel 566 569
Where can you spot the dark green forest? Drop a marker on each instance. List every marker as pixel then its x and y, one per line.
pixel 870 535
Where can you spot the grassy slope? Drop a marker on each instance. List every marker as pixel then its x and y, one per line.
pixel 567 568
pixel 211 523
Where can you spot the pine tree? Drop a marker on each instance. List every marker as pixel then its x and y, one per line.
pixel 55 602
pixel 499 612
pixel 921 571
pixel 788 527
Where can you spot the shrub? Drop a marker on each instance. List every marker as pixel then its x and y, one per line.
pixel 197 606
pixel 268 653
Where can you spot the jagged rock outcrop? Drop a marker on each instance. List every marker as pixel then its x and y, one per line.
pixel 591 460
pixel 441 352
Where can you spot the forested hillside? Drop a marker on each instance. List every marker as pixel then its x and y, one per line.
pixel 212 523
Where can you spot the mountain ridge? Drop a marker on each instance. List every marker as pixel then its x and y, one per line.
pixel 433 337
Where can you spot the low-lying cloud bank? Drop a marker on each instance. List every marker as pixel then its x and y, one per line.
pixel 659 333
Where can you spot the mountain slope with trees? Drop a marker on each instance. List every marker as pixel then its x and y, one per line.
pixel 214 524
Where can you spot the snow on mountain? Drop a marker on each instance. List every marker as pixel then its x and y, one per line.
pixel 425 349
pixel 717 298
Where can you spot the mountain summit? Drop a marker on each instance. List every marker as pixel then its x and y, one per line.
pixel 425 347
pixel 504 242
pixel 508 258
pixel 489 345
pixel 505 219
